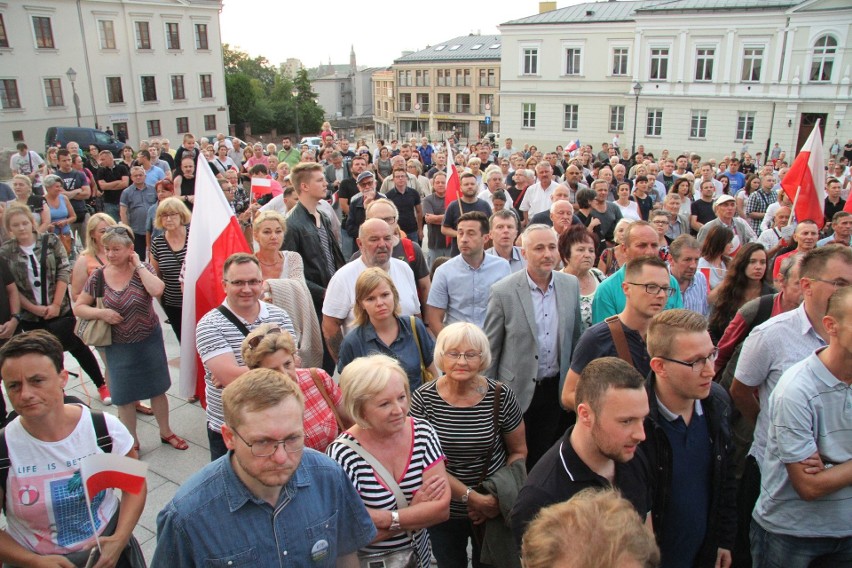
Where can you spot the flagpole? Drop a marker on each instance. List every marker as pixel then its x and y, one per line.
pixel 91 517
pixel 793 211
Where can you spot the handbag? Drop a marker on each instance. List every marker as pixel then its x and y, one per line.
pixel 479 530
pixel 67 242
pixel 95 332
pixel 405 557
pixel 425 373
pixel 326 398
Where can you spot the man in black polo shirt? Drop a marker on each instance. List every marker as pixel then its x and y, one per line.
pixel 702 208
pixel 600 450
pixel 407 201
pixel 112 179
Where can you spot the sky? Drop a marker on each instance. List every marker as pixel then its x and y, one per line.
pixel 280 29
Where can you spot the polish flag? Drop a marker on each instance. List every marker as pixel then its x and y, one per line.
pixel 112 471
pixel 453 183
pixel 261 186
pixel 573 145
pixel 214 236
pixel 804 184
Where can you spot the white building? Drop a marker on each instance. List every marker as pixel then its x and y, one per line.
pixel 714 76
pixel 345 93
pixel 151 67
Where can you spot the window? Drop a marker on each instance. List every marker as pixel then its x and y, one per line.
pixel 154 128
pixel 528 115
pixel 654 125
pixel 463 104
pixel 17 136
pixel 115 94
pixel 619 61
pixel 206 86
pixel 405 102
pixel 423 101
pixel 745 126
pixel 404 78
pixel 143 35
pixel 752 61
pixel 698 124
pixel 172 35
pixel 530 64
pixel 178 90
pixel 4 39
pixel 570 115
pixel 704 63
pixel 462 77
pixel 149 88
pixel 209 122
pixel 182 124
pixel 43 32
pixel 201 37
pixel 487 78
pixel 106 33
pixel 659 64
pixel 573 61
pixel 485 100
pixel 421 78
pixel 443 102
pixel 823 59
pixel 9 94
pixel 445 78
pixel 616 119
pixel 53 93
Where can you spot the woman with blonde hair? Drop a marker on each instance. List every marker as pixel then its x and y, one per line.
pixel 376 395
pixel 270 347
pixel 22 186
pixel 614 258
pixel 269 229
pixel 168 253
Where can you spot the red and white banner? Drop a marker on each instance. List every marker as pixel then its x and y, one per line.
pixel 453 184
pixel 804 184
pixel 112 471
pixel 215 235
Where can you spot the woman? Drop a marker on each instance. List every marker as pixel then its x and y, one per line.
pixel 61 212
pixel 269 230
pixel 415 168
pixel 473 166
pixel 165 189
pixel 268 347
pixel 683 187
pixel 42 273
pixel 714 260
pixel 383 164
pixel 127 156
pixel 168 252
pixel 376 396
pixel 380 329
pixel 185 182
pixel 642 199
pixel 726 185
pixel 577 249
pixel 91 160
pixel 614 258
pixel 223 162
pixel 51 160
pixel 23 188
pixel 629 208
pixel 752 184
pixel 136 359
pixel 743 281
pixel 460 406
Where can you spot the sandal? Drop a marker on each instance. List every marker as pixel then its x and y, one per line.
pixel 175 442
pixel 136 447
pixel 193 399
pixel 142 409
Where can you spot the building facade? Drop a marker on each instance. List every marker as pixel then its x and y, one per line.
pixel 345 94
pixel 149 67
pixel 688 75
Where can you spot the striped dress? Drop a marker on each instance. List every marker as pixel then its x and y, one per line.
pixel 425 453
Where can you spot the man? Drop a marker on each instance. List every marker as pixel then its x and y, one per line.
pixel 288 153
pixel 561 193
pixel 397 163
pixel 685 253
pixel 600 451
pixel 842 224
pixel 440 164
pixel 112 178
pixel 706 174
pixel 759 201
pixel 462 285
pixel 833 202
pixel 537 197
pixel 603 155
pixel 682 166
pixel 76 189
pixel 667 177
pixel 504 233
pixel 573 175
pixel 408 204
pixel 279 499
pixel 134 203
pixel 506 151
pixel 356 205
pixel 694 508
pixel 466 203
pixel 46 511
pixel 606 212
pixel 220 333
pixel 425 150
pixel 640 239
pixel 158 159
pixel 806 236
pixel 345 151
pixel 153 174
pixel 562 216
pixel 336 171
pixel 775 238
pixel 536 312
pixel 346 191
pixel 433 216
pixel 375 241
pixel 678 222
pixel 802 517
pixel 28 163
pixel 725 208
pixel 702 208
pixel 493 183
pixel 736 179
pixel 645 288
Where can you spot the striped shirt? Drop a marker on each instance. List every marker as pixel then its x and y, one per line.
pixel 169 263
pixel 215 336
pixel 467 433
pixel 425 453
pixel 695 296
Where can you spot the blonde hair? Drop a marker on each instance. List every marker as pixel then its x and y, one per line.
pixel 27 181
pixel 267 344
pixel 667 325
pixel 114 237
pixel 91 227
pixel 257 390
pixel 172 205
pixel 269 215
pixel 367 282
pixel 364 378
pixel 16 208
pixel 462 332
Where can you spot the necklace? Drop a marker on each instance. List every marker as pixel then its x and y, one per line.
pixel 278 260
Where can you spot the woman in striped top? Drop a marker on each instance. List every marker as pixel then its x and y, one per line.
pixel 376 394
pixel 168 251
pixel 460 407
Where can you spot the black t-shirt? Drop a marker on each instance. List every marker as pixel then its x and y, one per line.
pixel 847 152
pixel 6 278
pixel 596 342
pixel 451 217
pixel 703 210
pixel 830 208
pixel 347 189
pixel 75 180
pixel 115 173
pixel 405 203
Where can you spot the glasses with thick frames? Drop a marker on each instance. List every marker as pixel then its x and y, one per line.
pixel 698 363
pixel 655 289
pixel 468 356
pixel 266 448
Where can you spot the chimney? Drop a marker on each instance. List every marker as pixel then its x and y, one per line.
pixel 546 7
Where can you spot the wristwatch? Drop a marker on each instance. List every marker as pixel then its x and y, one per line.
pixel 394 525
pixel 17 316
pixel 466 495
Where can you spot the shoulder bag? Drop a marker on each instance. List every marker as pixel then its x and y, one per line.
pixel 425 373
pixel 326 397
pixel 95 332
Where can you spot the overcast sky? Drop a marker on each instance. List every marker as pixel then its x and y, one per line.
pixel 316 31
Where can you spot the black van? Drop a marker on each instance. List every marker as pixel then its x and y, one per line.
pixel 62 135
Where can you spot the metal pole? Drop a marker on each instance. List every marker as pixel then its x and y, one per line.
pixel 298 134
pixel 76 102
pixel 635 122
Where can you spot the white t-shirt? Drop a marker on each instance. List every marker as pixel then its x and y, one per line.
pixel 696 188
pixel 537 199
pixel 45 503
pixel 340 294
pixel 26 164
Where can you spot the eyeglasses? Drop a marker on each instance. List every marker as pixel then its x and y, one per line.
pixel 838 284
pixel 698 363
pixel 468 356
pixel 655 289
pixel 255 341
pixel 265 448
pixel 168 215
pixel 241 283
pixel 367 183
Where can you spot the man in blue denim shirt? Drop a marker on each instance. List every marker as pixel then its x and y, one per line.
pixel 269 501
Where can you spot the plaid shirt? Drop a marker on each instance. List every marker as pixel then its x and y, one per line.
pixel 319 423
pixel 758 201
pixel 58 270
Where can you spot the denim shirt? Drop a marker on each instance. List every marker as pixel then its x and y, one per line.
pixel 214 520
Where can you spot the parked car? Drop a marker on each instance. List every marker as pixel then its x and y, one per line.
pixel 62 135
pixel 312 142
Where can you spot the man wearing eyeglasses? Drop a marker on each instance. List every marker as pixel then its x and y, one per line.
pixel 688 441
pixel 281 503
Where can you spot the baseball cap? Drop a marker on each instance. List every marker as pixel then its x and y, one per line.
pixel 723 199
pixel 364 175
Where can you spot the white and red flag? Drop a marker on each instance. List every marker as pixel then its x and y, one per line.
pixel 804 183
pixel 453 183
pixel 110 471
pixel 572 145
pixel 214 236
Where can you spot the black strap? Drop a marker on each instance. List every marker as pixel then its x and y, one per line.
pixel 764 311
pixel 495 419
pixel 233 319
pixel 43 260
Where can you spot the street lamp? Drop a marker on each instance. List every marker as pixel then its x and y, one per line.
pixel 72 76
pixel 637 88
pixel 295 94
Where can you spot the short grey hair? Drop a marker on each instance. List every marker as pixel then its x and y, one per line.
pixel 532 229
pixel 51 180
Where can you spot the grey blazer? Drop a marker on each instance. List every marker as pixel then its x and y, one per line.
pixel 512 331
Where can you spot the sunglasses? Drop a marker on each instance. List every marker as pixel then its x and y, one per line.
pixel 255 341
pixel 118 230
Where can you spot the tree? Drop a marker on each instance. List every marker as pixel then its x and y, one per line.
pixel 311 115
pixel 259 68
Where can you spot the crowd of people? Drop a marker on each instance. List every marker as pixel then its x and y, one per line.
pixel 603 358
